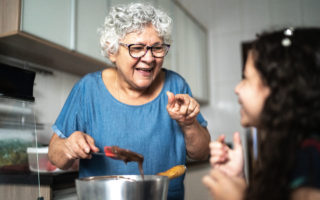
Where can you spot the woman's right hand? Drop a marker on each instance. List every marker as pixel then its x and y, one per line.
pixel 230 161
pixel 64 151
pixel 79 145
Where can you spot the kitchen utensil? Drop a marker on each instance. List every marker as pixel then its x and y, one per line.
pixel 128 187
pixel 118 153
pixel 124 187
pixel 174 172
pixel 126 155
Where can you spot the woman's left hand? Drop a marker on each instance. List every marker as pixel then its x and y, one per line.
pixel 223 186
pixel 182 108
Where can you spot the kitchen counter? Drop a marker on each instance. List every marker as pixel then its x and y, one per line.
pixel 24 185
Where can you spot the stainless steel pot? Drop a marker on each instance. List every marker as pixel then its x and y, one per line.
pixel 125 187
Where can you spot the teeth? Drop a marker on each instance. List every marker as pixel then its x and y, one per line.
pixel 146 70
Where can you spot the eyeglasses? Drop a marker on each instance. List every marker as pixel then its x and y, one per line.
pixel 139 50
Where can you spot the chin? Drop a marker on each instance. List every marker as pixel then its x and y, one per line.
pixel 245 122
pixel 143 84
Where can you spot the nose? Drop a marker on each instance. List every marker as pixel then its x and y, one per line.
pixel 148 57
pixel 237 88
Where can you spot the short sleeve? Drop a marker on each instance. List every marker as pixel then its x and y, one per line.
pixel 307 168
pixel 70 118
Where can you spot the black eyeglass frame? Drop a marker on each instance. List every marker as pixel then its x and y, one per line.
pixel 147 48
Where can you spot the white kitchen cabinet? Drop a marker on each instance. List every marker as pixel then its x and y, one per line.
pixel 170 61
pixel 89 17
pixel 116 2
pixel 47 19
pixel 190 52
pixel 43 32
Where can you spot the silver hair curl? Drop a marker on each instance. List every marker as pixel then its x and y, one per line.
pixel 124 19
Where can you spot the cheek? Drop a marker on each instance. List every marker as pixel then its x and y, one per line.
pixel 252 105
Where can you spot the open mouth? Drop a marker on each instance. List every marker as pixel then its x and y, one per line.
pixel 145 69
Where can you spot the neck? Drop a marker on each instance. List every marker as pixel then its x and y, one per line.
pixel 123 88
pixel 128 94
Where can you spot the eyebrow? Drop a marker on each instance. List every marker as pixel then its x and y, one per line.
pixel 140 43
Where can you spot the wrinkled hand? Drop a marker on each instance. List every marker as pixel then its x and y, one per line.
pixel 182 108
pixel 223 186
pixel 230 161
pixel 79 145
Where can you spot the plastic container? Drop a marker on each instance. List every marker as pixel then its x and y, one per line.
pixel 17 132
pixel 45 165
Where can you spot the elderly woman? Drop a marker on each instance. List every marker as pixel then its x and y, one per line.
pixel 135 105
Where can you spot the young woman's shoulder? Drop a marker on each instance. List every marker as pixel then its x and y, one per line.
pixel 307 167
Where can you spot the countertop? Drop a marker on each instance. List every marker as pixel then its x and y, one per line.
pixel 58 179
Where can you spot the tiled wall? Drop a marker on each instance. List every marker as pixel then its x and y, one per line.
pixel 50 92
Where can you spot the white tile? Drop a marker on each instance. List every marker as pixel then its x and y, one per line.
pixel 223 115
pixel 227 63
pixel 201 10
pixel 285 13
pixel 311 12
pixel 226 16
pixel 255 15
pixel 48 92
pixel 67 82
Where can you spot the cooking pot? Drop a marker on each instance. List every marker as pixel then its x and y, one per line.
pixel 128 187
pixel 124 187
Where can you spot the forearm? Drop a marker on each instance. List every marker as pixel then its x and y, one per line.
pixel 57 153
pixel 197 139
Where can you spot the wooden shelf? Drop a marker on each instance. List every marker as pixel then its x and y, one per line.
pixel 30 48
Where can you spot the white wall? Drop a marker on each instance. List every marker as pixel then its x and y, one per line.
pixel 50 92
pixel 229 22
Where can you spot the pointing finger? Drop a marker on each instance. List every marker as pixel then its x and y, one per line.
pixel 171 99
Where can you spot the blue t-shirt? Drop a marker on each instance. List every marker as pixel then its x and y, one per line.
pixel 146 129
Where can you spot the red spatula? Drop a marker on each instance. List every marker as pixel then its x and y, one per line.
pixel 109 152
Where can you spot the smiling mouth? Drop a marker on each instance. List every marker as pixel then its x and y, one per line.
pixel 145 69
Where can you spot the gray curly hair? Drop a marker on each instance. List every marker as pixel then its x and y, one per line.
pixel 124 19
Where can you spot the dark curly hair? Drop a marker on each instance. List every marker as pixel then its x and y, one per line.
pixel 292 110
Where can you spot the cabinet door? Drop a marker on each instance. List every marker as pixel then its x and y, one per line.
pixel 117 2
pixel 47 19
pixel 90 16
pixel 191 53
pixel 170 59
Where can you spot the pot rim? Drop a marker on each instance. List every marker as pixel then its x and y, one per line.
pixel 129 178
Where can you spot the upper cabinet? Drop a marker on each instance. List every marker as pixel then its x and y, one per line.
pixel 44 32
pixel 47 19
pixel 89 17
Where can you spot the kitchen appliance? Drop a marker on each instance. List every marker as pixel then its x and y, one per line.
pixel 17 120
pixel 17 132
pixel 125 187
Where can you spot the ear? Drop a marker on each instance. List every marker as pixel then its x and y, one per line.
pixel 112 57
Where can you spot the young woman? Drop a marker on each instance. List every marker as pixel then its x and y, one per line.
pixel 280 95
